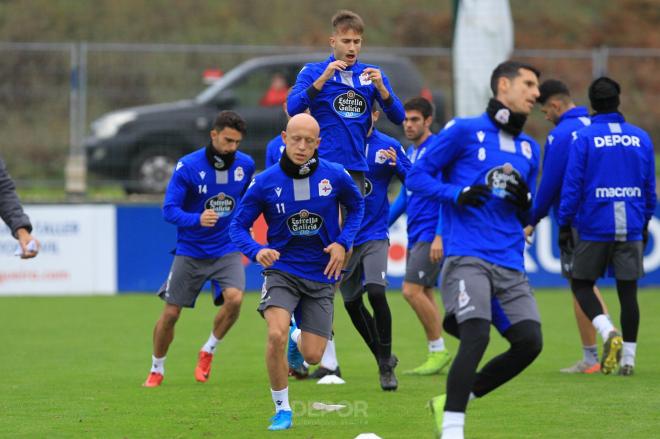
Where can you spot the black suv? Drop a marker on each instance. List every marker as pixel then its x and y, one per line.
pixel 139 146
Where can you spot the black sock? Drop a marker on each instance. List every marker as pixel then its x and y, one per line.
pixel 364 323
pixel 382 317
pixel 583 290
pixel 474 336
pixel 627 290
pixel 526 343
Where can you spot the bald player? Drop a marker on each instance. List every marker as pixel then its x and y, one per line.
pixel 306 249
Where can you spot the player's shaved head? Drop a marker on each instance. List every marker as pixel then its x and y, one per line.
pixel 303 121
pixel 301 138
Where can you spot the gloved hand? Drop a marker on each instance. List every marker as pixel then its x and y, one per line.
pixel 518 194
pixel 475 195
pixel 565 238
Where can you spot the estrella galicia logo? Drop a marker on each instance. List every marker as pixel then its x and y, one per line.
pixel 350 105
pixel 497 178
pixel 368 187
pixel 222 204
pixel 304 223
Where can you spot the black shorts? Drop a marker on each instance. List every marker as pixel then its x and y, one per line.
pixel 592 258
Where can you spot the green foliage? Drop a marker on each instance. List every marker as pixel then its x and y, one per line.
pixel 72 367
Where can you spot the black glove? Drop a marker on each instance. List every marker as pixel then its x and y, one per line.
pixel 475 195
pixel 645 235
pixel 565 238
pixel 518 194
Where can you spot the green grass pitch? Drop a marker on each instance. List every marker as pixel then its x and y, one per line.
pixel 73 367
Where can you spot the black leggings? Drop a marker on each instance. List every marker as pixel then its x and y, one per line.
pixel 525 345
pixel 627 292
pixel 376 330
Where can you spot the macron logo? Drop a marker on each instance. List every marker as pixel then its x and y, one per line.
pixel 618 192
pixel 616 139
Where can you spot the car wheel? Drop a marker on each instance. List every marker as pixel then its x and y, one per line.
pixel 151 171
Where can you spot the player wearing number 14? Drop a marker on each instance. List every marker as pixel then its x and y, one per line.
pixel 201 199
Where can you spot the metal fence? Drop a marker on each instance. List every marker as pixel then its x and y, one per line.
pixel 50 92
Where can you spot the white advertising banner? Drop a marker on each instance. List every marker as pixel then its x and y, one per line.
pixel 78 252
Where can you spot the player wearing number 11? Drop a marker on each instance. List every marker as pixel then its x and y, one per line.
pixel 306 249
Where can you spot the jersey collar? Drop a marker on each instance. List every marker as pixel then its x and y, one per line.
pixel 608 118
pixel 573 113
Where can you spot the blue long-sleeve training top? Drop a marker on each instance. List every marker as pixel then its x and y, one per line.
pixel 555 157
pixel 424 214
pixel 343 109
pixel 376 205
pixel 609 189
pixel 196 186
pixel 473 151
pixel 302 217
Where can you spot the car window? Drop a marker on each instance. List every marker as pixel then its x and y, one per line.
pixel 263 87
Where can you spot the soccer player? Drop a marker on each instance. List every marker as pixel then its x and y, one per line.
pixel 306 249
pixel 367 268
pixel 201 199
pixel 425 247
pixel 340 93
pixel 609 197
pixel 559 109
pixel 489 168
pixel 329 364
pixel 13 215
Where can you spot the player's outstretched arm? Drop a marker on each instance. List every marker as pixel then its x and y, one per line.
pixel 421 178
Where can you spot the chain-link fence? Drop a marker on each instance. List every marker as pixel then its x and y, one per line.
pixel 50 93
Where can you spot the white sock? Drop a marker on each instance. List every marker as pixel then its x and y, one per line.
pixel 281 399
pixel 329 359
pixel 295 335
pixel 452 425
pixel 603 325
pixel 472 396
pixel 210 344
pixel 629 350
pixel 590 354
pixel 158 365
pixel 437 345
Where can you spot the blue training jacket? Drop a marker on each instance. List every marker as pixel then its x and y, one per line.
pixel 609 189
pixel 274 150
pixel 472 151
pixel 195 186
pixel 302 217
pixel 424 214
pixel 555 157
pixel 342 109
pixel 376 205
